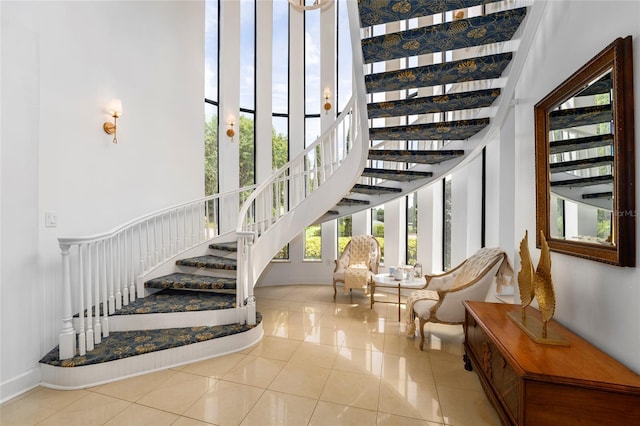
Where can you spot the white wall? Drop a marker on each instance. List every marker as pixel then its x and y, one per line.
pixel 597 301
pixel 61 63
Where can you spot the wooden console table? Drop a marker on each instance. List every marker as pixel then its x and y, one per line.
pixel 533 384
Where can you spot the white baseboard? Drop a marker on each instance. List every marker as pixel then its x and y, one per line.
pixel 11 388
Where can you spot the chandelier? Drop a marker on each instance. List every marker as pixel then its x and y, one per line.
pixel 312 5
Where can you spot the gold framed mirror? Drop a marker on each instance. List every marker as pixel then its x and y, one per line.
pixel 585 177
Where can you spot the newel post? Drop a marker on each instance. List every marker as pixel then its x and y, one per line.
pixel 251 300
pixel 67 340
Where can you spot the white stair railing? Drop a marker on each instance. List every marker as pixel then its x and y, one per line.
pixel 100 272
pixel 320 176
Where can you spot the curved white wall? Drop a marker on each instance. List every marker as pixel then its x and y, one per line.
pixel 61 62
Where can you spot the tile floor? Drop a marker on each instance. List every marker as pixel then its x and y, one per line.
pixel 319 363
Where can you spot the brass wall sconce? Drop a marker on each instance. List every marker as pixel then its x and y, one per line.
pixel 230 132
pixel 327 104
pixel 115 110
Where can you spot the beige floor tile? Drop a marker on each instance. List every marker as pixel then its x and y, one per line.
pixel 409 399
pixel 285 331
pixel 364 340
pixel 136 387
pixel 331 414
pixel 225 403
pixel 386 419
pixel 36 405
pixel 414 367
pixel 93 409
pixel 319 355
pixel 332 336
pixel 178 393
pixel 277 408
pixel 401 344
pixel 448 370
pixel 300 379
pixel 359 361
pixel 466 407
pixel 186 421
pixel 140 415
pixel 352 389
pixel 255 371
pixel 275 348
pixel 214 367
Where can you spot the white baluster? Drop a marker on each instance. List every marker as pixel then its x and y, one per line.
pixel 148 244
pixel 88 287
pixel 132 282
pixel 118 255
pixel 97 327
pixel 111 277
pixel 82 336
pixel 162 240
pixel 125 269
pixel 155 241
pixel 105 305
pixel 67 339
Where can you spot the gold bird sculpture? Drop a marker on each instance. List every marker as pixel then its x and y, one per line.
pixel 543 285
pixel 525 276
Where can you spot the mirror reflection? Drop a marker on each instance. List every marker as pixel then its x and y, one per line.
pixel 581 164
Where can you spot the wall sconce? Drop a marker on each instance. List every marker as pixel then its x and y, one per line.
pixel 327 104
pixel 115 110
pixel 230 132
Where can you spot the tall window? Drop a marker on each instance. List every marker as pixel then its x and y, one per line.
pixel 377 228
pixel 211 97
pixel 446 220
pixel 344 233
pixel 280 100
pixel 412 229
pixel 247 92
pixel 313 243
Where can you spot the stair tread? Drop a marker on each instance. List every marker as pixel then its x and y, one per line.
pixel 584 116
pixel 353 202
pixel 397 175
pixel 230 246
pixel 461 33
pixel 567 145
pixel 607 195
pixel 478 68
pixel 433 104
pixel 374 189
pixel 172 300
pixel 446 130
pixel 585 163
pixel 418 157
pixel 588 181
pixel 125 344
pixel 180 280
pixel 210 262
pixel 374 12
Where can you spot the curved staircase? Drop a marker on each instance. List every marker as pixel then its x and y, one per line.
pixel 437 74
pixel 169 288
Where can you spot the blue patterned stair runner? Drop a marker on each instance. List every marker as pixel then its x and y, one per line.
pixel 184 281
pixel 210 262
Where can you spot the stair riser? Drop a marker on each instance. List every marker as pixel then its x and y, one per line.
pixel 97 374
pixel 206 271
pixel 173 320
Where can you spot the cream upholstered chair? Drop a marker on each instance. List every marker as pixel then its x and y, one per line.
pixel 361 257
pixel 441 302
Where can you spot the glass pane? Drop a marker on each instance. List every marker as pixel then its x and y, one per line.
pixel 344 56
pixel 247 151
pixel 446 235
pixel 210 149
pixel 312 93
pixel 313 243
pixel 280 64
pixel 311 130
pixel 412 228
pixel 377 228
pixel 279 142
pixel 247 54
pixel 344 233
pixel 283 254
pixel 211 50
